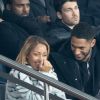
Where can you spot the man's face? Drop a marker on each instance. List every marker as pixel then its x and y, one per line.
pixel 81 48
pixel 70 14
pixel 20 7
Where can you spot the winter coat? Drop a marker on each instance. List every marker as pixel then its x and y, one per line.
pixel 28 23
pixel 89 10
pixel 39 9
pixel 11 39
pixel 15 91
pixel 57 35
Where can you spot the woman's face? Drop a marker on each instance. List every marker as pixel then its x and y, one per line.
pixel 37 56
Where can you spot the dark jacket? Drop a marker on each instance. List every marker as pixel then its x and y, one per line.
pixel 89 10
pixel 75 73
pixel 11 39
pixel 57 35
pixel 28 23
pixel 39 9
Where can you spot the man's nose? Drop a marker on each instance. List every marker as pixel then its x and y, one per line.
pixel 77 51
pixel 74 13
pixel 25 9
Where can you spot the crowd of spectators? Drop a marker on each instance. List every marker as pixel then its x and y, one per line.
pixel 58 22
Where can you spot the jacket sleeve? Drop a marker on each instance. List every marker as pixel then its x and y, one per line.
pixel 54 90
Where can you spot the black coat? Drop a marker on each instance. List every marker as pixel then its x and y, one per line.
pixel 57 35
pixel 28 23
pixel 89 10
pixel 39 9
pixel 75 73
pixel 11 39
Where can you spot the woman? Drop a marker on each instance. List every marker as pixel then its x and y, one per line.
pixel 34 54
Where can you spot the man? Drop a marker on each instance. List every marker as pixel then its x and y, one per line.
pixel 68 16
pixel 79 65
pixel 90 11
pixel 18 12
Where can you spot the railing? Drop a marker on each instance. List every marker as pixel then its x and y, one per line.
pixel 47 81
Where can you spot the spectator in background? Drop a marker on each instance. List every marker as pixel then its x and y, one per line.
pixel 34 54
pixel 44 12
pixel 11 37
pixel 89 10
pixel 18 12
pixel 68 16
pixel 79 59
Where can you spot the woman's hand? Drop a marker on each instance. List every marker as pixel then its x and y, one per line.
pixel 46 66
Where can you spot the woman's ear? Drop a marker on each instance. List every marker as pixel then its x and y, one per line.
pixel 59 15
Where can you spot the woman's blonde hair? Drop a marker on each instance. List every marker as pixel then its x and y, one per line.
pixel 30 43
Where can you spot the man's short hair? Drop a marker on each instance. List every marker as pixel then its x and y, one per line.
pixel 60 3
pixel 83 31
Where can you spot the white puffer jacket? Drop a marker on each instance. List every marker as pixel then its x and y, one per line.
pixel 17 92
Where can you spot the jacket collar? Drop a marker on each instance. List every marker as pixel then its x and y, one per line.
pixel 11 17
pixel 59 24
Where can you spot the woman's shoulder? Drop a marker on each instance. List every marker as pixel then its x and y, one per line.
pixel 19 75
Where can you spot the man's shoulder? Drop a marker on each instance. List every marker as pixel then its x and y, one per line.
pixel 60 33
pixel 6 27
pixel 58 28
pixel 58 57
pixel 4 24
pixel 58 25
pixel 64 65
